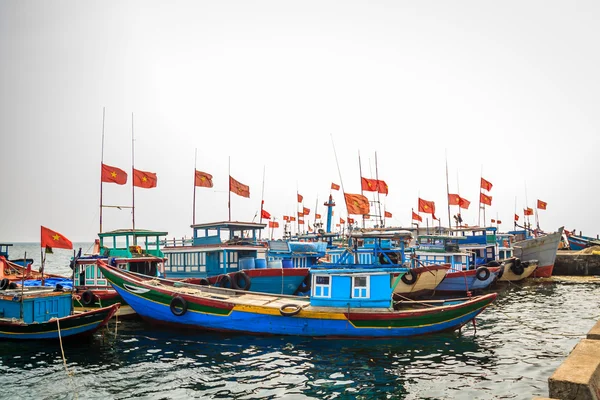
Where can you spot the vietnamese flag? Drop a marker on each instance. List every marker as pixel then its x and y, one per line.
pixel 486 185
pixel 485 199
pixel 387 214
pixel 382 187
pixel 143 179
pixel 350 220
pixel 286 218
pixel 113 175
pixel 318 216
pixel 454 200
pixel 528 211
pixel 369 185
pixel 541 205
pixel 264 214
pixel 306 211
pixel 416 217
pixel 342 221
pixel 493 221
pixel 203 179
pixel 464 203
pixel 52 239
pixel 300 214
pixel 300 221
pixel 292 219
pixel 238 188
pixel 273 224
pixel 335 186
pixel 427 207
pixel 300 197
pixel 357 204
pixel 516 217
pixel 498 222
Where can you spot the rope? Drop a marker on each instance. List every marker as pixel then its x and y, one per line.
pixel 62 350
pixel 116 322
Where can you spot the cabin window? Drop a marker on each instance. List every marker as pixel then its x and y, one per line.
pixel 322 286
pixel 360 287
pixel 121 266
pixel 90 270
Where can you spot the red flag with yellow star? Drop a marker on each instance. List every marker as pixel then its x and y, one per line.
pixel 203 179
pixel 239 188
pixel 357 204
pixel 53 239
pixel 113 175
pixel 143 179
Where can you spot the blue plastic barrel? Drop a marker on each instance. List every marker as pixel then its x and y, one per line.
pixel 246 263
pixel 287 264
pixel 274 264
pixel 260 263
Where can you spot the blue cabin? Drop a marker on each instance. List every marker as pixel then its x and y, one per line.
pixel 352 288
pixel 443 249
pixel 295 254
pixel 480 241
pixel 505 242
pixel 375 248
pixel 215 248
pixel 38 304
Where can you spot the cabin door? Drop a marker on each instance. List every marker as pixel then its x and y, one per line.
pixel 44 309
pixel 213 266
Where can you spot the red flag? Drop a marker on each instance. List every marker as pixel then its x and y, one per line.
pixel 453 200
pixel 300 222
pixel 239 188
pixel 498 222
pixel 382 187
pixel 541 205
pixel 427 207
pixel 416 217
pixel 264 214
pixel 335 186
pixel 387 214
pixel 310 229
pixel 300 198
pixel 528 211
pixel 357 204
pixel 350 220
pixel 53 239
pixel 369 185
pixel 113 175
pixel 143 179
pixel 292 219
pixel 486 185
pixel 342 221
pixel 300 214
pixel 464 203
pixel 306 211
pixel 202 179
pixel 493 221
pixel 485 199
pixel 318 216
pixel 516 217
pixel 286 218
pixel 337 225
pixel 273 224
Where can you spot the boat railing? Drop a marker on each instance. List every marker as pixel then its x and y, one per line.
pixel 174 242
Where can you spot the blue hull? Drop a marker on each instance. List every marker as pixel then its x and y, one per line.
pixel 463 284
pixel 248 322
pixel 275 285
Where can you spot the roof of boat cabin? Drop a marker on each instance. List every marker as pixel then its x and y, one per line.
pixel 5 244
pixel 443 237
pixel 381 234
pixel 340 270
pixel 475 228
pixel 229 225
pixel 132 232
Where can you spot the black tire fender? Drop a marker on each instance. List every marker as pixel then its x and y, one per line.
pixel 88 298
pixel 203 282
pixel 517 267
pixel 178 306
pixel 4 284
pixel 413 277
pixel 224 281
pixel 241 281
pixel 483 273
pixel 295 309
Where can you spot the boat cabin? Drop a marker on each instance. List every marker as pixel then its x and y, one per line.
pixel 38 304
pixel 216 248
pixel 479 240
pixel 294 254
pixel 505 242
pixel 352 288
pixel 442 249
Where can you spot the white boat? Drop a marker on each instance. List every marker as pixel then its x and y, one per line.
pixel 543 249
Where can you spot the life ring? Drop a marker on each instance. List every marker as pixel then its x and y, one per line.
pixel 178 306
pixel 517 267
pixel 413 277
pixel 295 309
pixel 88 298
pixel 4 284
pixel 241 280
pixel 203 282
pixel 482 273
pixel 224 281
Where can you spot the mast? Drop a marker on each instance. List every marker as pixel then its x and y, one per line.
pixel 101 164
pixel 381 218
pixel 315 213
pixel 262 203
pixel 132 185
pixel 194 198
pixel 479 208
pixel 447 197
pixel 361 189
pixel 229 172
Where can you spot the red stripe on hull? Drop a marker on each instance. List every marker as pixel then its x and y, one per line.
pixel 543 272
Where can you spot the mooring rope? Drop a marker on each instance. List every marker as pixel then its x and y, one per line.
pixel 62 350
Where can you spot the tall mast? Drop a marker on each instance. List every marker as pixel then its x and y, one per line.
pixel 229 202
pixel 132 185
pixel 479 208
pixel 448 196
pixel 361 190
pixel 262 203
pixel 194 198
pixel 101 164
pixel 381 218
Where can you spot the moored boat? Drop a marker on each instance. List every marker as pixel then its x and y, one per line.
pixel 513 269
pixel 343 303
pixel 22 262
pixel 581 242
pixel 542 249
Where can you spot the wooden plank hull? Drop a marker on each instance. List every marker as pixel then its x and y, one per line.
pixel 464 281
pixel 74 325
pixel 543 249
pixel 510 275
pixel 257 313
pixel 428 279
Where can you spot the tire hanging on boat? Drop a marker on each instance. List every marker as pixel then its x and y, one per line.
pixel 203 282
pixel 4 284
pixel 224 281
pixel 241 281
pixel 295 309
pixel 517 268
pixel 482 273
pixel 413 277
pixel 178 306
pixel 88 298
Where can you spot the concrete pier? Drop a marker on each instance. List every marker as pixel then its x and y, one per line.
pixel 573 263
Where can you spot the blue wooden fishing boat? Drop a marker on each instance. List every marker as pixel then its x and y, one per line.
pixel 45 313
pixel 581 242
pixel 480 241
pixel 342 303
pixel 22 262
pixel 463 276
pixel 229 254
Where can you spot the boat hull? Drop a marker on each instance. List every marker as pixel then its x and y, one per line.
pixel 508 275
pixel 74 325
pixel 428 279
pixel 543 249
pixel 465 281
pixel 272 280
pixel 207 312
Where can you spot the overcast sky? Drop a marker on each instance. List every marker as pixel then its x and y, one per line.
pixel 508 89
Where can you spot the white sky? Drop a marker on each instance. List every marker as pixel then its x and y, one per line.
pixel 510 88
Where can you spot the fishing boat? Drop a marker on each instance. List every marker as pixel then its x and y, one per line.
pixel 229 254
pixel 541 248
pixel 481 241
pixel 342 303
pixel 463 275
pixel 581 242
pixel 22 262
pixel 14 272
pixel 45 313
pixel 136 250
pixel 513 269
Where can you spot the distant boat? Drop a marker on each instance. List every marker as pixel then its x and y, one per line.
pixel 45 313
pixel 343 303
pixel 16 273
pixel 22 262
pixel 581 242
